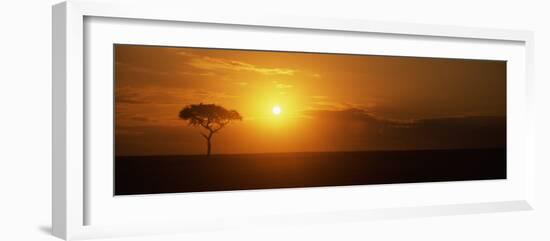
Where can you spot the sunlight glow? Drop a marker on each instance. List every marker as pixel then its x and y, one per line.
pixel 276 110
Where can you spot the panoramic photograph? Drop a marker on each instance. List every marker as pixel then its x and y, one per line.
pixel 203 119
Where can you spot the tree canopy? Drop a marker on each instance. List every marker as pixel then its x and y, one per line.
pixel 209 116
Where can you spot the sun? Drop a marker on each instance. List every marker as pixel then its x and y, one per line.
pixel 276 110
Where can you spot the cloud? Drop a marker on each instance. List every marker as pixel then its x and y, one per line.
pixel 283 86
pixel 319 97
pixel 197 73
pixel 376 132
pixel 209 96
pixel 211 63
pixel 129 96
pixel 321 103
pixel 186 54
pixel 363 115
pixel 351 115
pixel 139 69
pixel 163 96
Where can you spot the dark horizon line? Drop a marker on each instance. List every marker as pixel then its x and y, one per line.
pixel 309 152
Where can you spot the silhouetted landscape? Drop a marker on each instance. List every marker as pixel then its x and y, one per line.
pixel 198 173
pixel 193 119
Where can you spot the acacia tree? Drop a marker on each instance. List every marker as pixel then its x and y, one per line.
pixel 209 116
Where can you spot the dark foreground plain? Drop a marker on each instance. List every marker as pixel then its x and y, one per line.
pixel 197 173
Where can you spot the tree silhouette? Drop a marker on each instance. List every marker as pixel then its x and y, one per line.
pixel 211 117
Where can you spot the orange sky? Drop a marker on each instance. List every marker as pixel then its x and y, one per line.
pixel 329 102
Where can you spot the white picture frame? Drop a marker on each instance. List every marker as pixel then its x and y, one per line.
pixel 73 188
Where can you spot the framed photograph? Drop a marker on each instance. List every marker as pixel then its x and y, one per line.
pixel 172 120
pixel 191 119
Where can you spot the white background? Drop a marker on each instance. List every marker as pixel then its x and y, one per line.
pixel 25 122
pixel 193 209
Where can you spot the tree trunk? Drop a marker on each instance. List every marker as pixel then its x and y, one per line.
pixel 208 142
pixel 209 147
